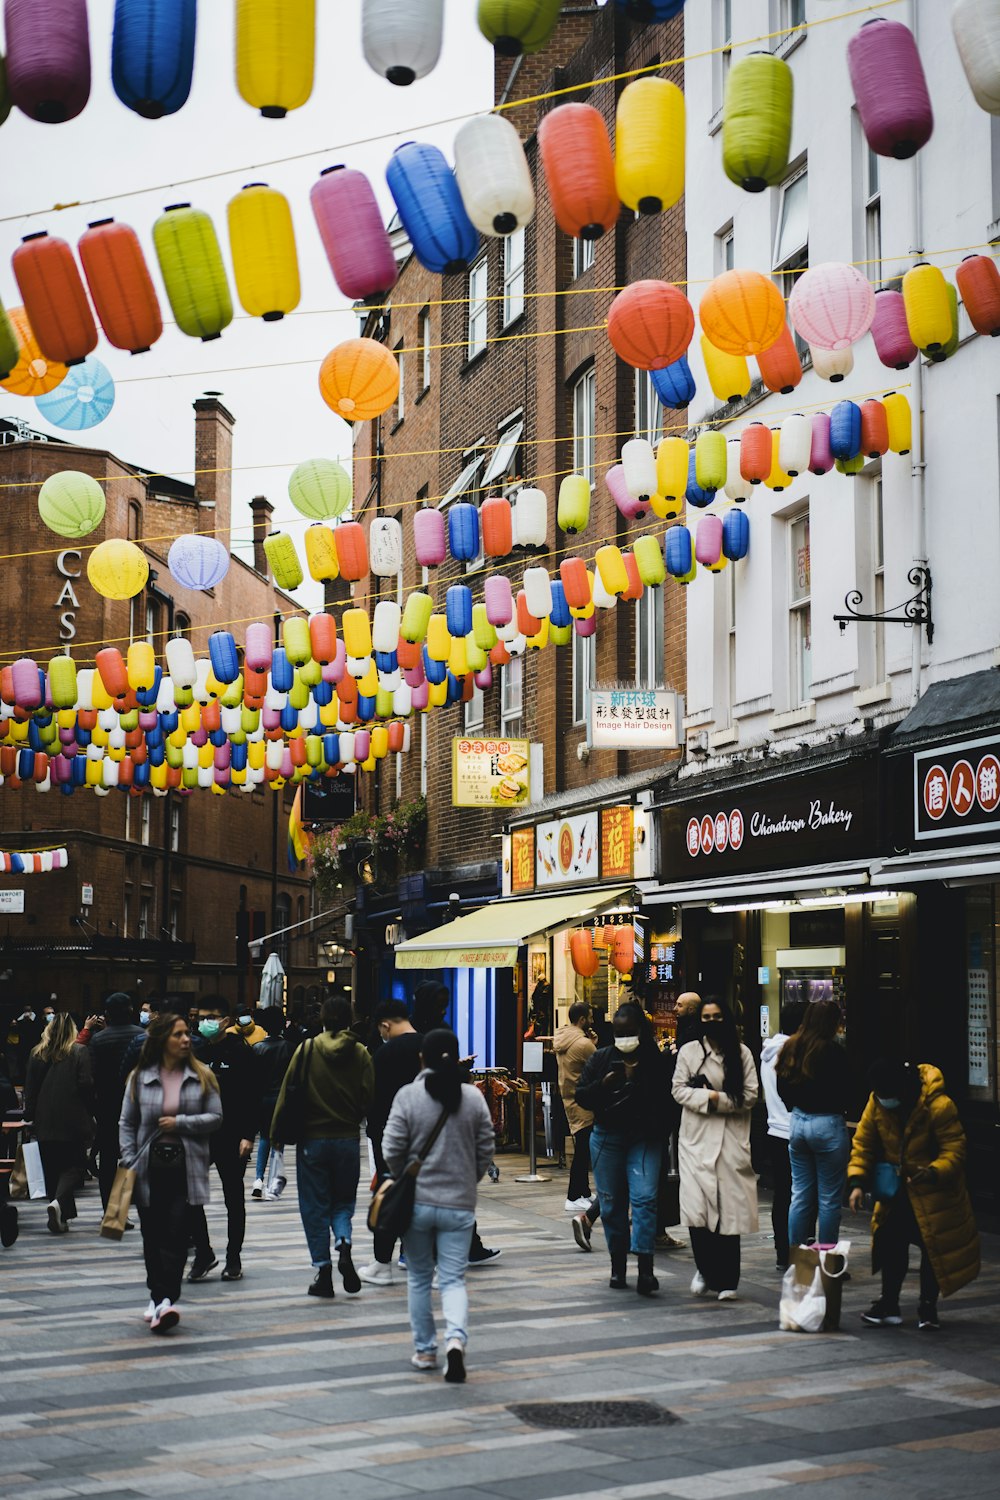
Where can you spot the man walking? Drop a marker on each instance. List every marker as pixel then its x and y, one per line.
pixel 107 1053
pixel 239 1078
pixel 573 1044
pixel 396 1063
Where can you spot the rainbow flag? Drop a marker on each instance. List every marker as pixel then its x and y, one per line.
pixel 299 839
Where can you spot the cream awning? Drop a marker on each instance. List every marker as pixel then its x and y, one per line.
pixel 490 937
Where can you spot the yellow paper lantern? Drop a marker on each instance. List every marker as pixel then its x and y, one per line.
pixel 265 262
pixel 356 632
pixel 928 307
pixel 141 666
pixel 649 145
pixel 672 461
pixel 321 553
pixel 777 479
pixel 612 570
pixel 275 53
pixel 359 379
pixel 899 421
pixel 728 374
pixel 438 638
pixel 117 569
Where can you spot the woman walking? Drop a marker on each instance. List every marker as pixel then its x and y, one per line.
pixel 59 1103
pixel 171 1107
pixel 452 1117
pixel 626 1087
pixel 715 1083
pixel 814 1080
pixel 910 1147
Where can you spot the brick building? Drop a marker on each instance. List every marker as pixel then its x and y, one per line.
pixel 178 884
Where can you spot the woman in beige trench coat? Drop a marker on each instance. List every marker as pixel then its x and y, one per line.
pixel 715 1083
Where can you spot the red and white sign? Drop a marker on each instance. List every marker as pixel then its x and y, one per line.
pixel 736 828
pixel 962 788
pixel 721 832
pixel 988 783
pixel 707 834
pixel 936 793
pixel 693 837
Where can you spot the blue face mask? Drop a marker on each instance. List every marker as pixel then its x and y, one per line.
pixel 144 1018
pixel 245 1020
pixel 887 1103
pixel 209 1029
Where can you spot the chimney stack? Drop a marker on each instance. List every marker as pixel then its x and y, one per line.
pixel 262 510
pixel 213 461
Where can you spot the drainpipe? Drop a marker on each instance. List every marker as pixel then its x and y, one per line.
pixel 918 465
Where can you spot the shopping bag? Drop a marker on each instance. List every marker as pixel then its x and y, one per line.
pixel 274 1185
pixel 18 1185
pixel 829 1263
pixel 119 1202
pixel 32 1157
pixel 803 1302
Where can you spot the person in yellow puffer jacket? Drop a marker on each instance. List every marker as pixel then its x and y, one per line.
pixel 911 1125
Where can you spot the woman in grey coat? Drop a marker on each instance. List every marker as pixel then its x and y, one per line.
pixel 171 1107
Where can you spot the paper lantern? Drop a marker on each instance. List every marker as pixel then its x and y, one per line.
pixel 401 39
pixel 890 333
pixel 152 54
pixel 352 551
pixel 438 639
pixel 10 345
pixel 528 624
pixel 111 665
pixel 650 10
pixel 976 26
pixel 728 374
pixel 850 465
pixel 672 455
pixel 757 121
pixel 778 479
pixel 735 535
pixel 710 460
pixel 831 364
pixel 117 569
pixel 579 170
pixel 497 525
pixel 649 561
pixel 54 298
pixel 356 631
pixel 33 374
pixel 694 493
pixel 634 478
pixel 431 210
pixel 283 560
pixel 257 652
pixel 530 517
pixel 674 384
pixel 650 324
pixel 538 592
pixel 25 683
pixel 874 429
pixel 948 348
pixel 48 58
pixel 515 26
pixel 386 623
pixel 359 379
pixel 979 287
pixel 493 175
pixel 899 421
pixel 354 237
pixel 780 366
pixel 621 949
pixel 845 430
pixel 679 552
pixel 928 312
pixel 265 261
pixel 121 287
pixel 585 960
pixel 795 446
pixel 890 89
pixel 742 312
pixel 275 53
pixel 573 509
pixel 463 532
pixel 708 541
pixel 192 270
pixel 320 488
pixel 499 599
pixel 198 562
pixel 649 145
pixel 416 614
pixel 832 305
pixel 737 488
pixel 63 682
pixel 428 537
pixel 575 579
pixel 820 456
pixel 385 546
pixel 222 652
pixel 71 504
pixel 82 400
pixel 321 553
pixel 611 569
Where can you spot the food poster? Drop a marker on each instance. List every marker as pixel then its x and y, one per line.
pixel 566 851
pixel 489 772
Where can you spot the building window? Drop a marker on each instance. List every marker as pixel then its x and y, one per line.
pixel 583 671
pixel 424 336
pixel 513 276
pixel 151 621
pixel 134 521
pixel 878 577
pixel 725 250
pixel 791 13
pixel 182 625
pixel 478 307
pixel 127 911
pixel 175 825
pixel 474 710
pixel 583 256
pixel 584 422
pixel 873 215
pixel 512 696
pixel 791 237
pixel 145 915
pixel 146 809
pixel 800 611
pixel 649 664
pixel 648 408
pixel 175 917
pixel 401 398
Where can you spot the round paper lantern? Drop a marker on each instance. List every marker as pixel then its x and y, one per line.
pixel 899 421
pixel 71 504
pixel 48 58
pixel 890 333
pixel 976 25
pixel 832 305
pixel 33 374
pixel 54 298
pixel 585 960
pixel 742 312
pixel 117 569
pixel 275 53
pixel 710 460
pixel 650 324
pixel 82 400
pixel 359 379
pixel 621 949
pixel 874 429
pixel 796 444
pixel 493 175
pixel 192 270
pixel 674 384
pixel 890 89
pixel 737 488
pixel 649 145
pixel 728 374
pixel 928 309
pixel 320 489
pixel 152 54
pixel 321 553
pixel 463 532
pixel 431 210
pixel 820 456
pixel 979 287
pixel 428 537
pixel 579 170
pixel 401 39
pixel 831 364
pixel 573 509
pixel 649 561
pixel 780 366
pixel 845 430
pixel 672 456
pixel 121 287
pixel 530 517
pixel 735 535
pixel 198 562
pixel 354 237
pixel 262 242
pixel 679 552
pixel 497 523
pixel 755 453
pixel 283 560
pixel 515 26
pixel 757 121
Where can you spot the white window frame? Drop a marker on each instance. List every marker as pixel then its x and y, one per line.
pixel 722 28
pixel 584 425
pixel 513 275
pixel 175 824
pixel 401 398
pixel 872 188
pixel 512 697
pixel 583 256
pixel 878 577
pixel 475 710
pixel 791 14
pixel 478 307
pixel 425 348
pixel 725 250
pixel 175 916
pixel 583 675
pixel 796 258
pixel 650 644
pixel 145 821
pixel 648 408
pixel 799 619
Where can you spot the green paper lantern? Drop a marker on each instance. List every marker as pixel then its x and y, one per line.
pixel 187 249
pixel 515 26
pixel 320 489
pixel 72 504
pixel 757 121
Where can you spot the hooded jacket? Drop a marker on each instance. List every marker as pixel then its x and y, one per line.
pixel 572 1048
pixel 340 1082
pixel 779 1122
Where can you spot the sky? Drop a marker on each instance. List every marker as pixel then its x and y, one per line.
pixel 109 153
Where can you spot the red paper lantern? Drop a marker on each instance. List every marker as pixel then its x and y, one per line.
pixel 874 429
pixel 575 582
pixel 121 286
pixel 650 324
pixel 527 623
pixel 54 298
pixel 585 960
pixel 352 551
pixel 323 638
pixel 621 949
pixel 579 170
pixel 755 452
pixel 636 588
pixel 979 288
pixel 780 366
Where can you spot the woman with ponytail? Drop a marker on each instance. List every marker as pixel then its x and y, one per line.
pixel 442 1123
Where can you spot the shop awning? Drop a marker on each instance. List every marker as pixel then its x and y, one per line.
pixel 966 866
pixel 754 888
pixel 490 937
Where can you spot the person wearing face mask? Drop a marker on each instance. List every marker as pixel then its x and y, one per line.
pixel 107 1052
pixel 625 1087
pixel 247 1028
pixel 910 1148
pixel 715 1083
pixel 144 1014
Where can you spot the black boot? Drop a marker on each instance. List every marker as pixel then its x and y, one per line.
pixel 646 1283
pixel 619 1265
pixel 322 1283
pixel 345 1265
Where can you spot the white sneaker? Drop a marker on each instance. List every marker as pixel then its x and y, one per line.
pixel 424 1361
pixel 150 1312
pixel 727 1296
pixel 257 1191
pixel 376 1274
pixel 698 1284
pixel 165 1317
pixel 577 1205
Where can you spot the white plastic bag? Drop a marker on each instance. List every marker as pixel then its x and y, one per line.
pixel 33 1169
pixel 803 1303
pixel 276 1179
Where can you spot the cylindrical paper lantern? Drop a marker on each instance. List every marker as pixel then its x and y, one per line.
pixel 735 535
pixel 120 285
pixel 650 323
pixel 778 479
pixel 152 54
pixel 583 957
pixel 976 25
pixel 579 170
pixel 679 552
pixel 320 489
pixel 321 553
pixel 386 623
pixel 672 455
pixel 755 452
pixel 538 592
pixel 428 537
pixel 275 53
pixel 222 652
pixel 71 504
pixel 198 562
pixel 649 145
pixel 117 569
pixel 385 546
pixel 845 430
pixel 611 569
pixel 874 429
pixel 649 560
pixel 352 551
pixel 359 379
pixel 710 460
pixel 401 39
pixel 820 456
pixel 979 287
pixel 890 88
pixel 832 305
pixel 354 237
pixel 530 517
pixel 796 444
pixel 890 333
pixel 283 560
pixel 948 348
pixel 443 237
pixel 497 523
pixel 493 175
pixel 416 613
pixel 515 26
pixel 82 400
pixel 831 364
pixel 695 493
pixel 111 665
pixel 737 488
pixel 192 270
pixel 742 312
pixel 780 366
pixel 257 651
pixel 356 631
pixel 638 472
pixel 850 465
pixel 265 261
pixel 728 374
pixel 674 384
pixel 62 682
pixel 33 374
pixel 54 298
pixel 180 662
pixel 576 582
pixel 928 309
pixel 48 58
pixel 708 541
pixel 757 121
pixel 528 624
pixel 899 421
pixel 463 532
pixel 573 510
pixel 458 609
pixel 499 600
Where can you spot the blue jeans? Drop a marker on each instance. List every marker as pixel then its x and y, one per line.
pixel 442 1235
pixel 263 1151
pixel 328 1173
pixel 625 1172
pixel 818 1150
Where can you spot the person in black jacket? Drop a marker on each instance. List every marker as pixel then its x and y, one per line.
pixel 58 1102
pixel 396 1063
pixel 107 1051
pixel 9 1109
pixel 814 1080
pixel 273 1055
pixel 627 1087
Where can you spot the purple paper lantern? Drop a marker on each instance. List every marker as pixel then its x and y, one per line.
pixel 708 541
pixel 350 225
pixel 890 333
pixel 820 455
pixel 48 58
pixel 890 88
pixel 198 562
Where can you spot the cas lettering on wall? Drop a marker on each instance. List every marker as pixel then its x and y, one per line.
pixel 69 565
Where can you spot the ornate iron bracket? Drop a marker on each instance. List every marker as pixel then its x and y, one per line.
pixel 915 611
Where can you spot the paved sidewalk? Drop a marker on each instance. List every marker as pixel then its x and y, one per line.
pixel 276 1394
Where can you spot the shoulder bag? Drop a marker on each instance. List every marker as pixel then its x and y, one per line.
pixel 391 1208
pixel 293 1111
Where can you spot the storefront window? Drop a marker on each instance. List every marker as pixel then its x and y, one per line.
pixel 980 979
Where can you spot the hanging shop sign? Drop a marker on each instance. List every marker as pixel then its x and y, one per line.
pixel 489 773
pixel 566 851
pixel 956 792
pixel 332 800
pixel 522 860
pixel 616 843
pixel 631 719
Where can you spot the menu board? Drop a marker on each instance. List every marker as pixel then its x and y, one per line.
pixel 489 772
pixel 979 1028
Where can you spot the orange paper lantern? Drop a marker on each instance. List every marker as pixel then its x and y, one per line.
pixel 359 379
pixel 874 429
pixel 755 452
pixel 742 312
pixel 54 298
pixel 621 951
pixel 650 324
pixel 497 527
pixel 780 366
pixel 584 959
pixel 34 374
pixel 352 551
pixel 121 286
pixel 579 170
pixel 979 288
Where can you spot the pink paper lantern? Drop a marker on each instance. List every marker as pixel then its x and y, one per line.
pixel 708 541
pixel 890 333
pixel 270 718
pixel 586 627
pixel 499 600
pixel 421 697
pixel 832 305
pixel 257 654
pixel 890 88
pixel 484 679
pixel 350 225
pixel 362 744
pixel 631 508
pixel 428 537
pixel 820 454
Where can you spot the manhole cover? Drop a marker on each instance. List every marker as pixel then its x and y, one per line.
pixel 593 1414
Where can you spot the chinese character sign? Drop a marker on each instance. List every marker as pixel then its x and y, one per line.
pixel 629 718
pixel 489 773
pixel 957 791
pixel 616 843
pixel 522 860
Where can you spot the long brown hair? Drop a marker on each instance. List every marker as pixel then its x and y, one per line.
pixel 798 1057
pixel 154 1048
pixel 58 1038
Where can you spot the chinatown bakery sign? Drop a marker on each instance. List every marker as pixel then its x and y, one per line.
pixel 817 818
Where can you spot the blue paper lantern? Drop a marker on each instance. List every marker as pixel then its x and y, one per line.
pixel 454 688
pixel 146 697
pixel 443 237
pixel 386 661
pixel 282 671
pixel 323 694
pixel 82 399
pixel 845 430
pixel 25 766
pixel 434 671
pixel 694 494
pixel 559 615
pixel 735 535
pixel 78 770
pixel 289 718
pixel 366 708
pixel 458 610
pixel 678 552
pixel 675 385
pixel 463 532
pixel 157 754
pixel 198 562
pixel 140 776
pixel 152 54
pixel 222 653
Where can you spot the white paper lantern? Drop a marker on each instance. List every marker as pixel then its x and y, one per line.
pixel 401 39
pixel 602 599
pixel 976 24
pixel 181 663
pixel 345 742
pixel 84 689
pixel 402 700
pixel 831 364
pixel 639 464
pixel 538 592
pixel 385 548
pixel 493 175
pixel 385 625
pixel 530 518
pixel 795 444
pixel 165 703
pixel 737 488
